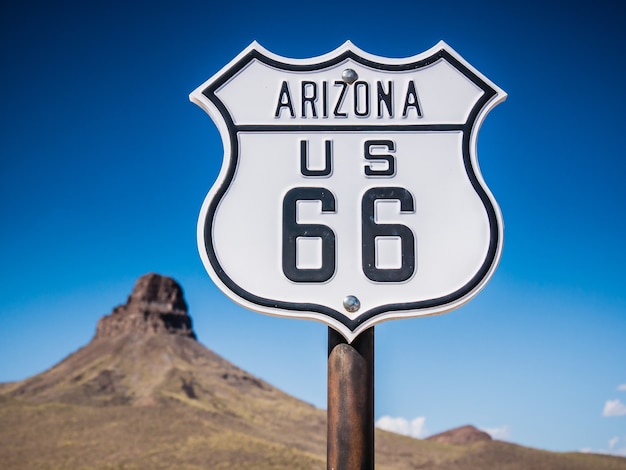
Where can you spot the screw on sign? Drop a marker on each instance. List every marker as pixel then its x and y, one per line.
pixel 350 191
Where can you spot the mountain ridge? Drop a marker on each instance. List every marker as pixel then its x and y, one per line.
pixel 144 393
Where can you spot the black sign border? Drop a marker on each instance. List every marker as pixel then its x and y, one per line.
pixel 352 324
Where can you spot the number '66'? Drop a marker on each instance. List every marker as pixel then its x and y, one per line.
pixel 370 231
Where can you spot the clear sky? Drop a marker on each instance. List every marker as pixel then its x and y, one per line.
pixel 104 164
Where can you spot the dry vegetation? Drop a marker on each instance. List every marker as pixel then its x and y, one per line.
pixel 144 394
pixel 163 401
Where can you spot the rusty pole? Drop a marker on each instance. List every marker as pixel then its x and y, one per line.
pixel 350 428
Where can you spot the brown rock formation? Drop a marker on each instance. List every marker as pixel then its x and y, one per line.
pixel 146 394
pixel 156 306
pixel 461 436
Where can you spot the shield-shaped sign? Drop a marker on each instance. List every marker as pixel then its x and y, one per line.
pixel 350 191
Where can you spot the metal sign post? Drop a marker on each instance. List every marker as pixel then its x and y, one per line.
pixel 350 427
pixel 350 193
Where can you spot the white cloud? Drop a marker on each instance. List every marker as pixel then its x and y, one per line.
pixel 414 428
pixel 617 450
pixel 613 448
pixel 613 442
pixel 614 408
pixel 502 432
pixel 622 387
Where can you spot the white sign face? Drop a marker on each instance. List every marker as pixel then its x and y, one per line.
pixel 350 191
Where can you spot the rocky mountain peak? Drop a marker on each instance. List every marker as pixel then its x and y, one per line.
pixel 461 436
pixel 155 306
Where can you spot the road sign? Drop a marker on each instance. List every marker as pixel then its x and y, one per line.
pixel 350 191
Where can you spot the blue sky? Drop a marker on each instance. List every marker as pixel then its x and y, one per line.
pixel 104 164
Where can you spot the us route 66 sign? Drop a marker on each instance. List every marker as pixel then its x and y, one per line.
pixel 350 191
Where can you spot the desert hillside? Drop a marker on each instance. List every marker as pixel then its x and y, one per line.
pixel 145 394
